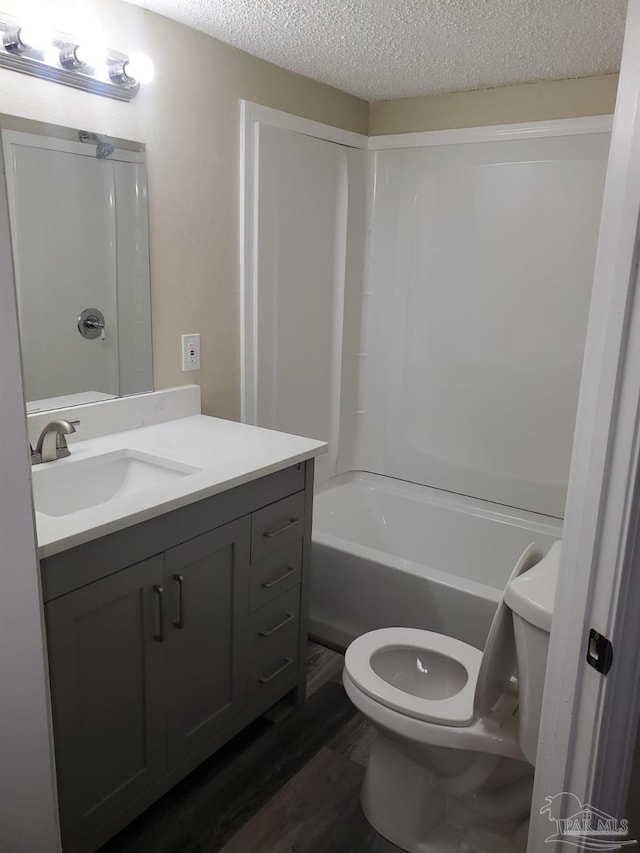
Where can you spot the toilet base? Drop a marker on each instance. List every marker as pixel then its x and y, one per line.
pixel 422 811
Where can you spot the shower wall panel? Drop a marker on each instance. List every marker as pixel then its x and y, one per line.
pixel 476 300
pixel 302 255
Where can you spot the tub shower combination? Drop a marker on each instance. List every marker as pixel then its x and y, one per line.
pixel 422 307
pixel 387 552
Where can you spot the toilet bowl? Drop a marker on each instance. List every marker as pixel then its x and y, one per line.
pixel 449 771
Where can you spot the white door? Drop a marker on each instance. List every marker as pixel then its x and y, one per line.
pixel 589 718
pixel 28 808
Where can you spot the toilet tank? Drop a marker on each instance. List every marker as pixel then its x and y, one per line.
pixel 531 597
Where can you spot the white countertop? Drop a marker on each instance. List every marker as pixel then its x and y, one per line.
pixel 227 454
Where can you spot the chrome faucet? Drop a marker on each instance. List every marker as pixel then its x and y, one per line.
pixel 52 443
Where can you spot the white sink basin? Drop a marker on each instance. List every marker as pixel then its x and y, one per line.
pixel 61 488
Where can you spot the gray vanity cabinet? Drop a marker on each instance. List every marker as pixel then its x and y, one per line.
pixel 208 594
pixel 166 638
pixel 107 676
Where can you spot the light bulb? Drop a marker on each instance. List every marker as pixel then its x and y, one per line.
pixel 91 53
pixel 35 37
pixel 140 68
pixel 101 72
pixel 52 56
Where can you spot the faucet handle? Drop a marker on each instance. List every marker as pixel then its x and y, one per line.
pixel 51 448
pixel 62 449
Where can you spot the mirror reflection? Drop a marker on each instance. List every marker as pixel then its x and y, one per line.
pixel 79 229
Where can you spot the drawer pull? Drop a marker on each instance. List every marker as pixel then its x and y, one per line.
pixel 179 622
pixel 159 591
pixel 269 584
pixel 265 679
pixel 269 534
pixel 284 622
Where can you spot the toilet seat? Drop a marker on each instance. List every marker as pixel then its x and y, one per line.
pixel 488 674
pixel 494 737
pixel 447 653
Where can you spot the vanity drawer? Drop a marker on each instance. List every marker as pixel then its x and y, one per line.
pixel 275 638
pixel 276 525
pixel 275 574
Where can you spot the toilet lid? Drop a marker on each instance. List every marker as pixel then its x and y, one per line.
pixel 452 710
pixel 499 658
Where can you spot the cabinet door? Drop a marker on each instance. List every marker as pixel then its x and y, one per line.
pixel 106 662
pixel 208 583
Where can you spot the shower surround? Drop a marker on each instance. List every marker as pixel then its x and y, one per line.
pixel 460 267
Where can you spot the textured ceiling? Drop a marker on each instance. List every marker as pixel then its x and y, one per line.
pixel 381 49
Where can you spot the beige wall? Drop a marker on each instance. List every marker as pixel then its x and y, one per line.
pixel 189 120
pixel 549 99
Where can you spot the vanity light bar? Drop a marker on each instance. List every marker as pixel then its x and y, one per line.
pixel 64 59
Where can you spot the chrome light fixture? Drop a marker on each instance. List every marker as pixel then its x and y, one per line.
pixel 83 55
pixel 137 69
pixel 83 64
pixel 19 40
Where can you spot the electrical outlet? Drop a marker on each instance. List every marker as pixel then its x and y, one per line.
pixel 190 352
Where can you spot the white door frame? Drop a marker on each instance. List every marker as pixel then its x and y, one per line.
pixel 589 720
pixel 28 806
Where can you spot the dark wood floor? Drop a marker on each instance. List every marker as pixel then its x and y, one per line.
pixel 290 782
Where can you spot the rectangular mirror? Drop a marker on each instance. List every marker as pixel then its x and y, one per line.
pixel 80 236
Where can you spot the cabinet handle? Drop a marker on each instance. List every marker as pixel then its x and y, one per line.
pixel 266 679
pixel 269 534
pixel 159 591
pixel 179 622
pixel 284 622
pixel 269 584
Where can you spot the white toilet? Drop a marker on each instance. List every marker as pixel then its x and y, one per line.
pixel 456 734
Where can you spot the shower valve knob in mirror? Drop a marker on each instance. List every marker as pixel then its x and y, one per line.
pixel 91 324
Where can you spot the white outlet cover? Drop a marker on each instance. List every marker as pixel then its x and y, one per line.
pixel 190 352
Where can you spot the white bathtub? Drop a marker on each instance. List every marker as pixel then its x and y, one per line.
pixel 386 553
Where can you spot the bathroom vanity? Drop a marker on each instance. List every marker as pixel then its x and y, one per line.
pixel 174 615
